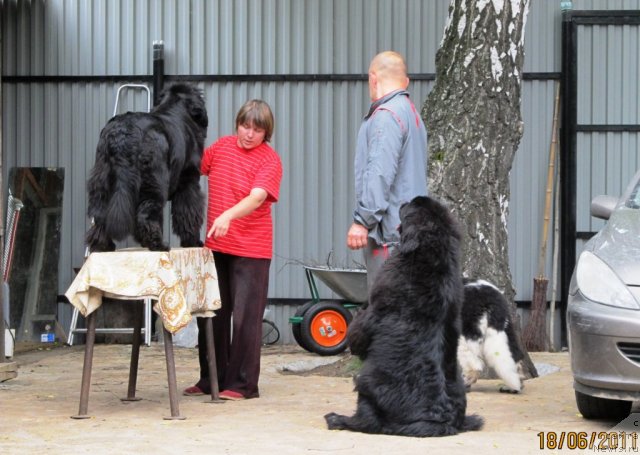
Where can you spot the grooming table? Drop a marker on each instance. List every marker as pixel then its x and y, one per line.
pixel 183 282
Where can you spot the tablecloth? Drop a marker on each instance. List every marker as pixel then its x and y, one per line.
pixel 183 281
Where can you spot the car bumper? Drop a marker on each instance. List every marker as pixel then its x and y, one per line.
pixel 602 343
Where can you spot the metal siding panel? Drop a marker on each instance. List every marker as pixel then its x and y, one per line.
pixel 198 45
pixel 613 64
pixel 168 34
pixel 155 24
pixel 542 50
pixel 608 88
pixel 98 33
pixel 630 68
pixel 225 39
pixel 528 186
pixel 316 122
pixel 143 58
pixel 183 21
pixel 85 36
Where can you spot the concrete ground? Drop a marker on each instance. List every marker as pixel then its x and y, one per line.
pixel 36 406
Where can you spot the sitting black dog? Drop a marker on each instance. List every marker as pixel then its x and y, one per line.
pixel 410 383
pixel 142 161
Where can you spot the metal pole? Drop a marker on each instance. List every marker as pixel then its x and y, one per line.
pixel 2 327
pixel 567 163
pixel 158 70
pixel 171 376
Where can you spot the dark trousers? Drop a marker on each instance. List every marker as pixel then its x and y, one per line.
pixel 243 283
pixel 374 256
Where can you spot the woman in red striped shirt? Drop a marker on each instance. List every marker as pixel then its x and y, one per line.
pixel 244 175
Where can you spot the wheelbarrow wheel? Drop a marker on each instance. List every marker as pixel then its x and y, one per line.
pixel 296 328
pixel 323 329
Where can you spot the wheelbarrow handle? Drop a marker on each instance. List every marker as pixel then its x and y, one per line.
pixel 315 296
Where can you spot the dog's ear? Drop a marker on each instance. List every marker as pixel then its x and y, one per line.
pixel 199 115
pixel 409 241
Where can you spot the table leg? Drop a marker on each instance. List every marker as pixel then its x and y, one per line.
pixel 171 375
pixel 213 370
pixel 86 369
pixel 135 353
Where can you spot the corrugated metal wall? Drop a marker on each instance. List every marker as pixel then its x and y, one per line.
pixel 606 161
pixel 56 122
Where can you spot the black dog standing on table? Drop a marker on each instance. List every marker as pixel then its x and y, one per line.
pixel 410 383
pixel 142 161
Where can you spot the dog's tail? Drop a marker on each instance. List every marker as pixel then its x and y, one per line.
pixel 472 422
pixel 121 213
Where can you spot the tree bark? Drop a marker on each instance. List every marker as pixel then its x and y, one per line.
pixel 474 123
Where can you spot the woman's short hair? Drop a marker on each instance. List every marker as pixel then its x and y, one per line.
pixel 257 113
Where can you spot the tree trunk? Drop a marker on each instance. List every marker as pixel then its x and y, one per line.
pixel 475 126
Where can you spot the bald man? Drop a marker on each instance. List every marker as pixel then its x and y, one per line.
pixel 390 162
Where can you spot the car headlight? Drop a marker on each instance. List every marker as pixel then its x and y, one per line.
pixel 599 283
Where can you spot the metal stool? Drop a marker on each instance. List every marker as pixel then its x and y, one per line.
pixel 147 302
pixel 147 330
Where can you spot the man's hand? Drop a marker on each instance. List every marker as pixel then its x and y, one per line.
pixel 357 236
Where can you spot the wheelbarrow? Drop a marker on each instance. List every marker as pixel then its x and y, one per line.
pixel 320 326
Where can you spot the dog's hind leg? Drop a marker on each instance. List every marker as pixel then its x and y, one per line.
pixel 148 230
pixel 470 359
pixel 336 421
pixel 97 240
pixel 187 208
pixel 472 422
pixel 354 423
pixel 99 194
pixel 422 429
pixel 365 420
pixel 498 356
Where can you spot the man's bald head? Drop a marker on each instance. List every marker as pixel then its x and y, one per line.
pixel 389 65
pixel 387 73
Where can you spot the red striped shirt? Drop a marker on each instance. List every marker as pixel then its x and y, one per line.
pixel 232 172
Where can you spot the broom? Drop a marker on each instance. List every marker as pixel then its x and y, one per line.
pixel 535 336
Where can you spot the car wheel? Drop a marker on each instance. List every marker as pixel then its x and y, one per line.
pixel 324 328
pixel 602 408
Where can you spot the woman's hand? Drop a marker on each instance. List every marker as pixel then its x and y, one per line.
pixel 220 226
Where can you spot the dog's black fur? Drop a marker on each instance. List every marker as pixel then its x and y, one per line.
pixel 142 161
pixel 410 383
pixel 488 337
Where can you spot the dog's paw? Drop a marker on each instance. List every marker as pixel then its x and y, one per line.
pixel 102 247
pixel 470 377
pixel 191 244
pixel 334 421
pixel 159 247
pixel 505 389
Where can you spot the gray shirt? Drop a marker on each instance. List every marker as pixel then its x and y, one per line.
pixel 390 164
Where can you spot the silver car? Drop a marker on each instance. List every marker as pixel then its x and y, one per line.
pixel 603 310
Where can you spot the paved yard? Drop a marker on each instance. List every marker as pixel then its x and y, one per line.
pixel 35 410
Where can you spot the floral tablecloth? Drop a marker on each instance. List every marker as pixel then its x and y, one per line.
pixel 183 281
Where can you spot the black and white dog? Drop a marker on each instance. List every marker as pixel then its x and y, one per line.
pixel 488 337
pixel 410 382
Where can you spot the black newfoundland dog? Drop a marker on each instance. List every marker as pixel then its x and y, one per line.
pixel 142 161
pixel 410 383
